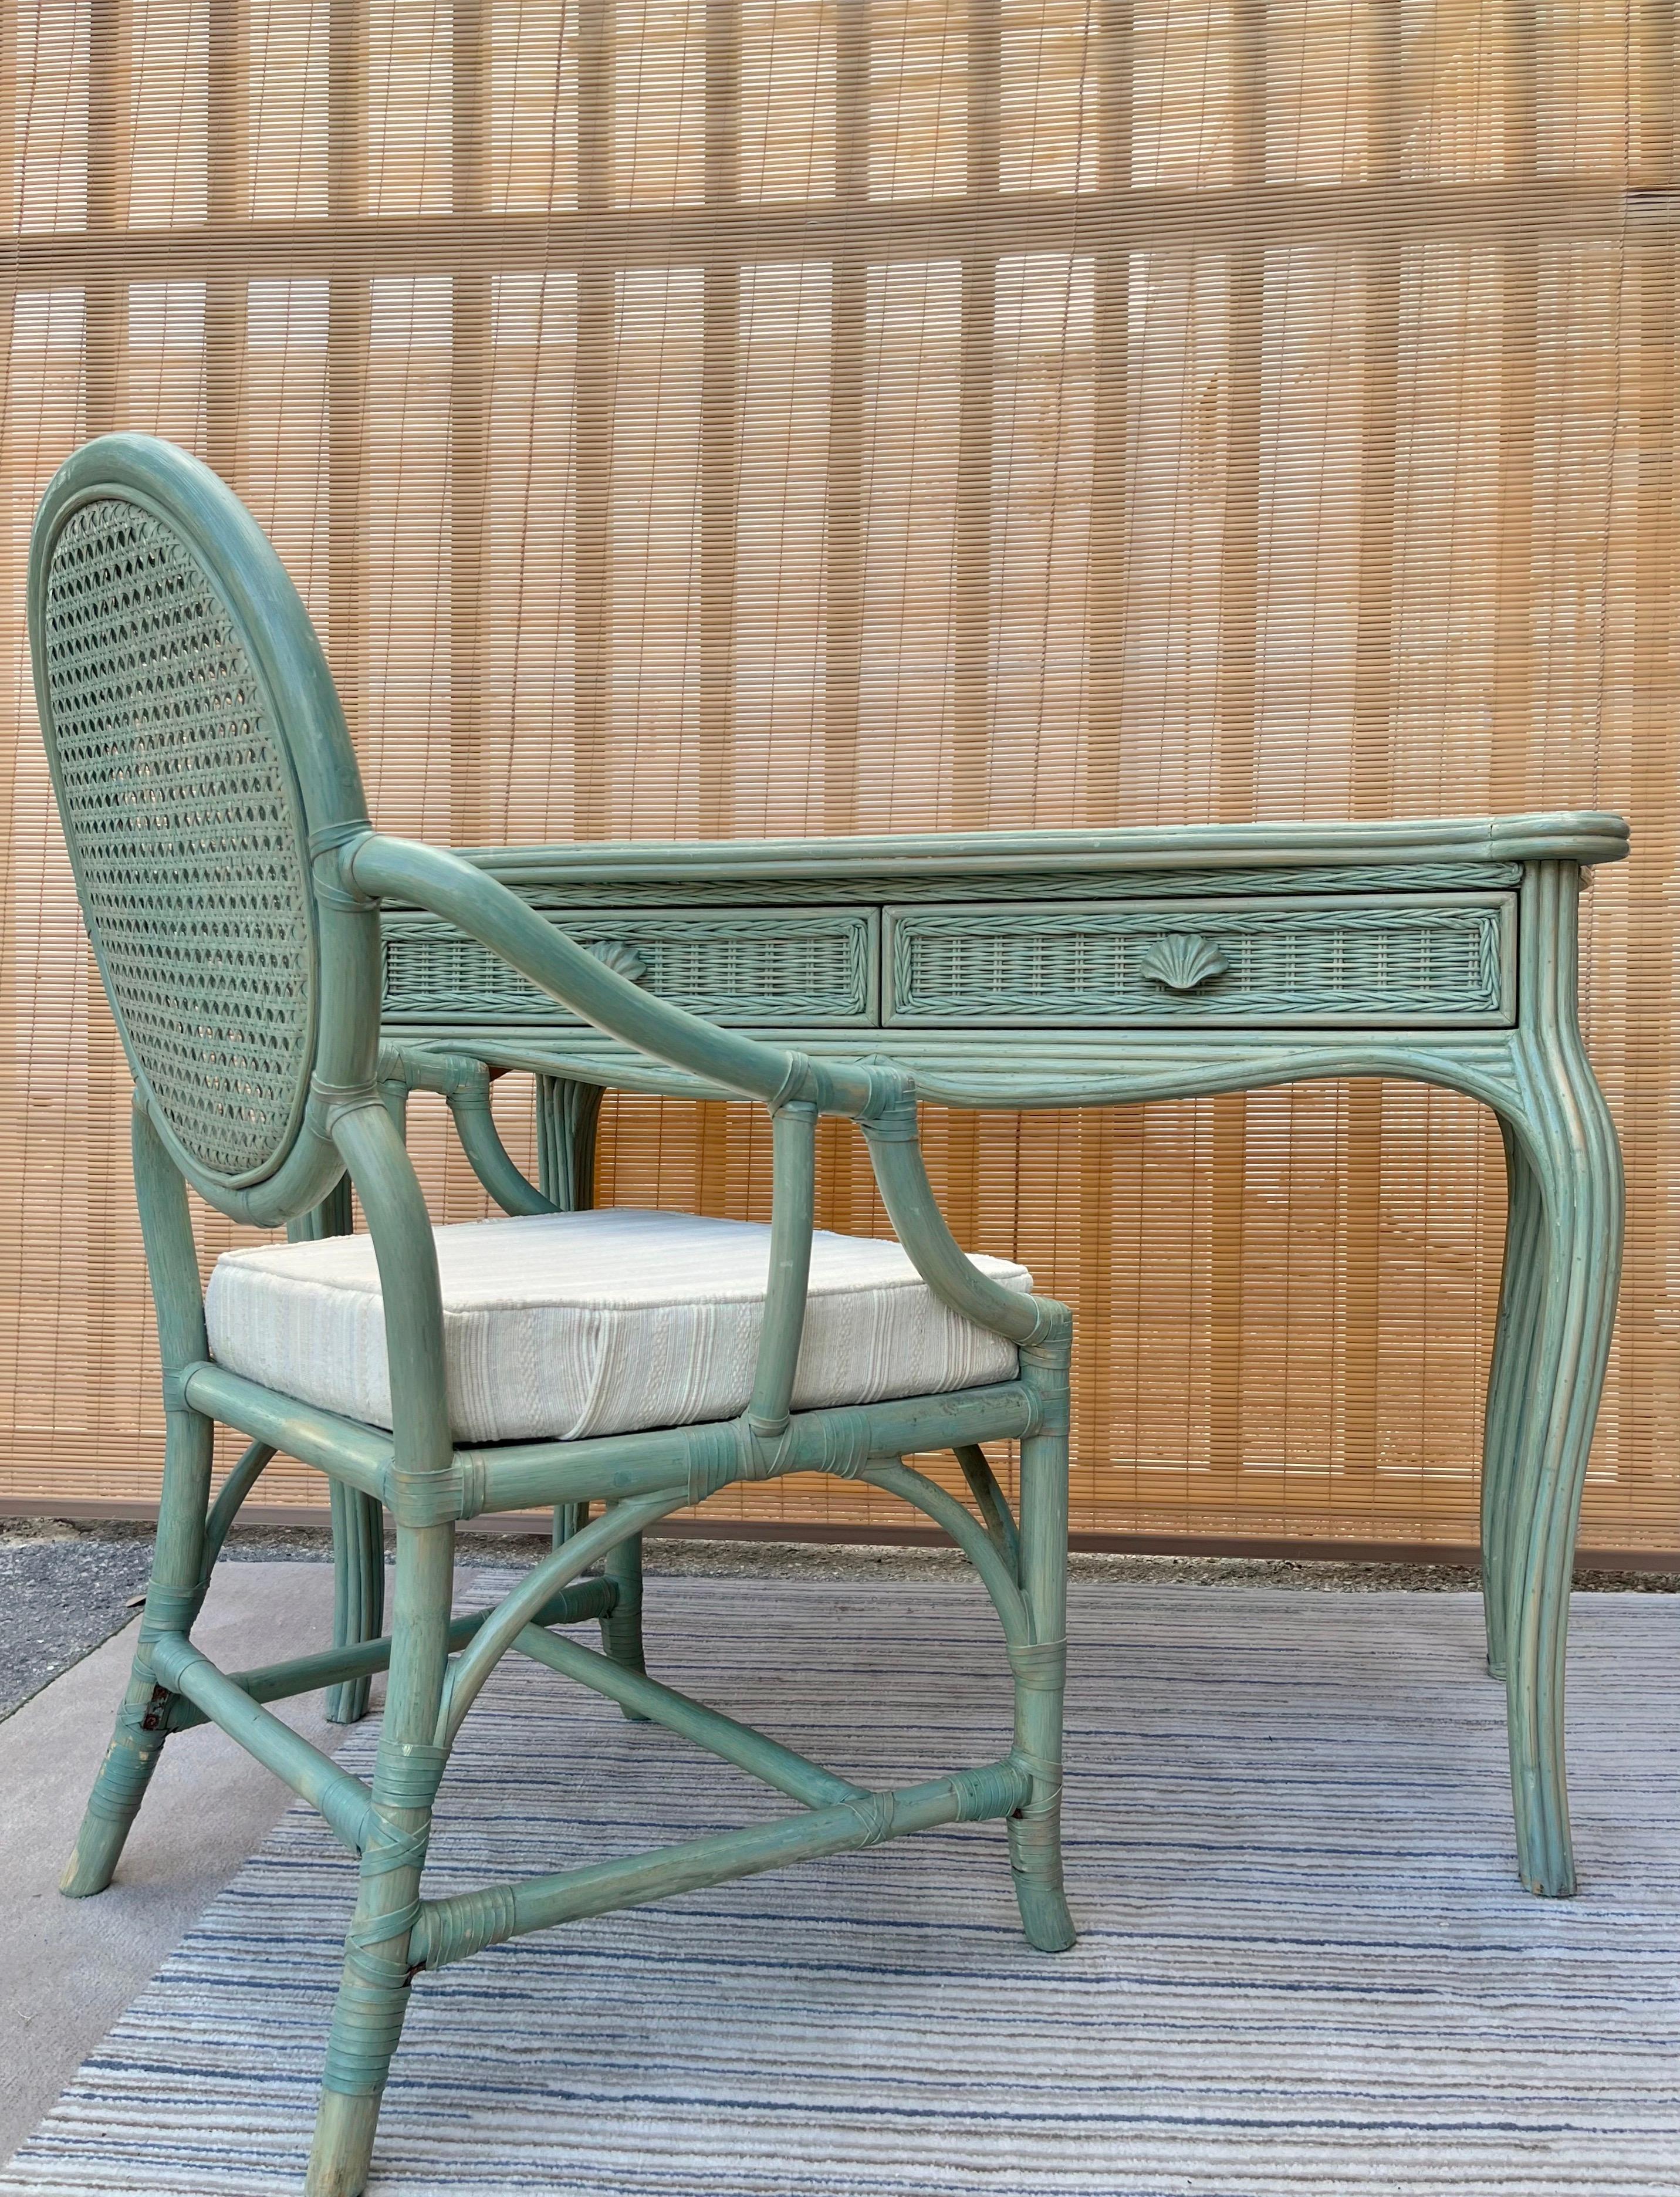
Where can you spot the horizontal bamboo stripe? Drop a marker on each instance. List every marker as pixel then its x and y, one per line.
pixel 996 223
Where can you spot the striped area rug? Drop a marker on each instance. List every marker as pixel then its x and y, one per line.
pixel 1306 1965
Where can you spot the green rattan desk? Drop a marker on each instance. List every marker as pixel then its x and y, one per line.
pixel 1058 969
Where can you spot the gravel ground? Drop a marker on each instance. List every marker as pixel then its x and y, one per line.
pixel 64 1588
pixel 61 1593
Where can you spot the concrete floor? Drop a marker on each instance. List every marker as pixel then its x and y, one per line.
pixel 68 1967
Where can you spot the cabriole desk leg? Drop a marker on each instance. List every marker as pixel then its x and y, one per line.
pixel 1510 1386
pixel 566 1116
pixel 1567 1223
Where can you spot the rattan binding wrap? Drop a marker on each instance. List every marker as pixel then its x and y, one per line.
pixel 187 836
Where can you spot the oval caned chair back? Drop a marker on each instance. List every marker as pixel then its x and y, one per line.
pixel 183 817
pixel 196 746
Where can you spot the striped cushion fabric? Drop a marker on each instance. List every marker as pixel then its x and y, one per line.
pixel 570 1324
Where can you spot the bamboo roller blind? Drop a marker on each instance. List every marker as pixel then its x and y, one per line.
pixel 729 417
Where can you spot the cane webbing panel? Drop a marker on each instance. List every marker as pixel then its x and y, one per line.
pixel 728 418
pixel 179 808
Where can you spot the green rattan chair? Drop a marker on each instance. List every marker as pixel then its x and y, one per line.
pixel 231 885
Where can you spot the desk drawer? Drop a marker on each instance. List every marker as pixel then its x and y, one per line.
pixel 1411 960
pixel 737 965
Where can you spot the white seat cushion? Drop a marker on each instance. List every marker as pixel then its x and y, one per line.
pixel 569 1324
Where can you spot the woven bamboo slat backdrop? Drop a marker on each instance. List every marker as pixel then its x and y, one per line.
pixel 730 417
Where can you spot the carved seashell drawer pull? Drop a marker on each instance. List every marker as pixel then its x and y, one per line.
pixel 1182 961
pixel 623 960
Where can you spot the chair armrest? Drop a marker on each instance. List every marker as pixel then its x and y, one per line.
pixel 381 869
pixel 464 1084
pixel 880 1097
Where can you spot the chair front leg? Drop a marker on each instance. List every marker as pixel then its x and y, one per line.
pixel 1040 1666
pixel 173 1599
pixel 373 1992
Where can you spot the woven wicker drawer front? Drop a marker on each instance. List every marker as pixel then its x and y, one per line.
pixel 738 965
pixel 1400 959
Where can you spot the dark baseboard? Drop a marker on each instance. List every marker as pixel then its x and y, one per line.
pixel 1276 1548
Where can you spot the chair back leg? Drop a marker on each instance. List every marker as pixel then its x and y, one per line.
pixel 358 1601
pixel 620 1628
pixel 178 1579
pixel 172 1602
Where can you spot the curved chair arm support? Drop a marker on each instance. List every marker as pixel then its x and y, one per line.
pixel 445 885
pixel 464 1084
pixel 489 1158
pixel 895 1154
pixel 793 1192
